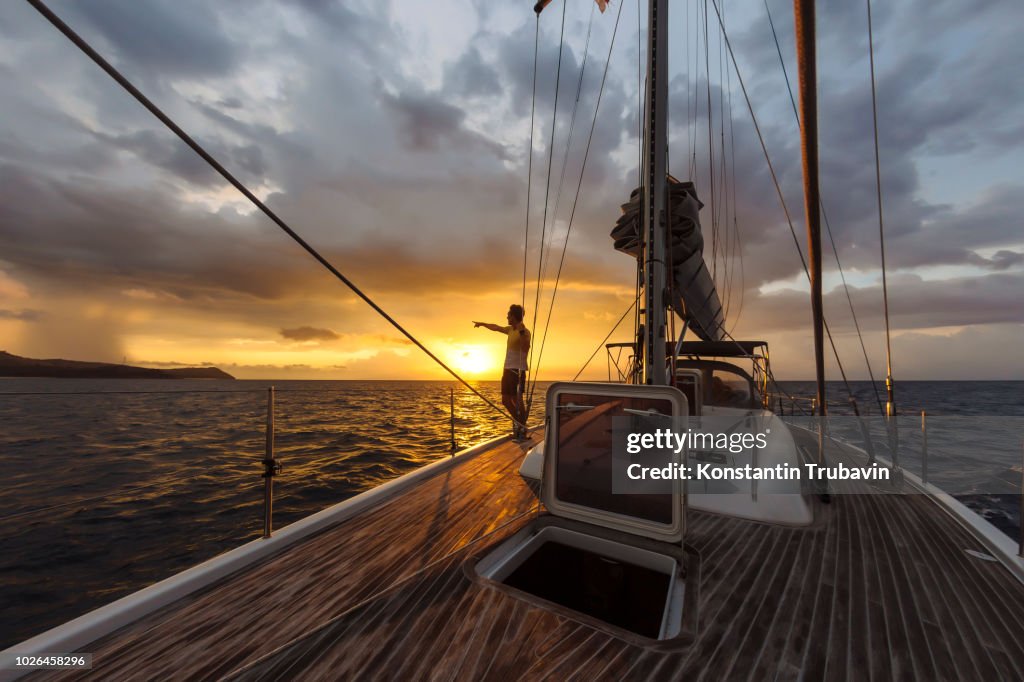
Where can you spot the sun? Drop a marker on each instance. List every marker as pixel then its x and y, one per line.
pixel 472 360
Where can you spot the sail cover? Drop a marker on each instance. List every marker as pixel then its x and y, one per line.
pixel 694 296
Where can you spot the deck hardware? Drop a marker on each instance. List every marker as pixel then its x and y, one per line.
pixel 270 468
pixel 451 398
pixel 980 555
pixel 924 449
pixel 646 413
pixel 865 432
pixel 893 432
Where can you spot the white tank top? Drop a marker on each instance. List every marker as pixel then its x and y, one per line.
pixel 515 356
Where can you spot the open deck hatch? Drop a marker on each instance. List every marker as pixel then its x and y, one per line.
pixel 629 583
pixel 577 481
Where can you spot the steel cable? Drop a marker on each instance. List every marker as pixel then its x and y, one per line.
pixel 572 214
pixel 59 24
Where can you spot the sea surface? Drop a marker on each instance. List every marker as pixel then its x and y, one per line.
pixel 112 485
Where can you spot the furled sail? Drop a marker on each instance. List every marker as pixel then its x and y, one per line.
pixel 694 296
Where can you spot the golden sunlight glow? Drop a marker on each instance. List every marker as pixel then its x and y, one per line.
pixel 472 360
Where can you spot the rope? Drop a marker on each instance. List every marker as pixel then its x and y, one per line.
pixel 696 83
pixel 778 189
pixel 572 128
pixel 881 229
pixel 547 190
pixel 689 89
pixel 572 214
pixel 640 100
pixel 641 87
pixel 711 149
pixel 605 339
pixel 198 149
pixel 529 171
pixel 724 180
pixel 737 245
pixel 824 215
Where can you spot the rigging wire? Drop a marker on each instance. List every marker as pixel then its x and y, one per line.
pixel 736 244
pixel 689 89
pixel 547 191
pixel 824 215
pixel 572 215
pixel 724 180
pixel 711 148
pixel 640 87
pixel 696 85
pixel 605 340
pixel 59 24
pixel 778 187
pixel 529 171
pixel 568 143
pixel 890 405
pixel 737 241
pixel 639 99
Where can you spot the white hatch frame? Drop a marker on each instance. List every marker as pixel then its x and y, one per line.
pixel 672 532
pixel 500 567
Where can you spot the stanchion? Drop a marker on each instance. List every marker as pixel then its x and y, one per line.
pixel 1020 517
pixel 451 398
pixel 270 469
pixel 924 449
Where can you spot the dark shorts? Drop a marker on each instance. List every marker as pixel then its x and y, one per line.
pixel 513 382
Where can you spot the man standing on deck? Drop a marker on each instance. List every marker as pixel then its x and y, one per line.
pixel 513 379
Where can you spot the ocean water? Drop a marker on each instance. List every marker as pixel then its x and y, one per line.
pixel 112 485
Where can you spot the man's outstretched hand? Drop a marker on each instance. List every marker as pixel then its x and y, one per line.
pixel 477 324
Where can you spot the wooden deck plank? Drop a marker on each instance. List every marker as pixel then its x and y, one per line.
pixel 878 588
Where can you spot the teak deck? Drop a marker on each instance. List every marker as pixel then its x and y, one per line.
pixel 879 588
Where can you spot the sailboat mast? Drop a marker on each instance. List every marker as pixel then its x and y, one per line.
pixel 655 173
pixel 803 11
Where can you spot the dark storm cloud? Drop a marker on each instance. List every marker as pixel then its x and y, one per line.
pixel 165 151
pixel 1004 259
pixel 470 76
pixel 176 38
pixel 428 123
pixel 344 25
pixel 967 112
pixel 91 234
pixel 88 236
pixel 915 303
pixel 516 59
pixel 953 233
pixel 309 334
pixel 416 190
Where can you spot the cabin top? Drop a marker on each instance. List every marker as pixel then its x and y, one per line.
pixel 721 349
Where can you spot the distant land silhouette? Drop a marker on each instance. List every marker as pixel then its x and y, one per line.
pixel 16 366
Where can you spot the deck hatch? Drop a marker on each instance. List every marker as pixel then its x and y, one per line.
pixel 625 586
pixel 577 480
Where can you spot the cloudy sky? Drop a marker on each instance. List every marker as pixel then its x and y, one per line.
pixel 394 136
